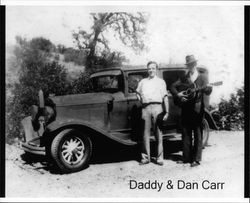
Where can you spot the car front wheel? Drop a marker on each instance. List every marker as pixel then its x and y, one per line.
pixel 71 150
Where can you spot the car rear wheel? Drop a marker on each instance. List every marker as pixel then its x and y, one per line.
pixel 71 150
pixel 205 132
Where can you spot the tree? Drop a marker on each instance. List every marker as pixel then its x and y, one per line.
pixel 129 28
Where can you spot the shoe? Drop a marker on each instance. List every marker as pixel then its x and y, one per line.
pixel 182 162
pixel 157 161
pixel 160 163
pixel 144 161
pixel 195 163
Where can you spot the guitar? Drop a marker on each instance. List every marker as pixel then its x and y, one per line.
pixel 189 91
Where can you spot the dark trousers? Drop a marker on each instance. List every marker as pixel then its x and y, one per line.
pixel 192 142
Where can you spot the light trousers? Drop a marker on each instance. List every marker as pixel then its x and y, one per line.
pixel 149 115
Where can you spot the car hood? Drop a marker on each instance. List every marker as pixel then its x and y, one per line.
pixel 81 99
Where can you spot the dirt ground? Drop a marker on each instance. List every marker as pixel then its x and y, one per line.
pixel 223 162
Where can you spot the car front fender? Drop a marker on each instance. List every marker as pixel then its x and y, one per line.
pixel 64 124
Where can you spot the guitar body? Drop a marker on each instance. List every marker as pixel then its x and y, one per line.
pixel 186 88
pixel 191 92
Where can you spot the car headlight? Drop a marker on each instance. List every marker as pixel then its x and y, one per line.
pixel 48 113
pixel 33 112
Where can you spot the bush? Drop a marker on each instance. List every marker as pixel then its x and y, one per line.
pixel 37 71
pixel 76 56
pixel 81 84
pixel 230 115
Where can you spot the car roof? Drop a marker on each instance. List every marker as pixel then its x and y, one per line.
pixel 128 68
pixel 116 71
pixel 161 66
pixel 142 67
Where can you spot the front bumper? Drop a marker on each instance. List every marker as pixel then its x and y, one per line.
pixel 32 143
pixel 33 149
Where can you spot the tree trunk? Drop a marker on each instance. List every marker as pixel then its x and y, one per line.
pixel 91 59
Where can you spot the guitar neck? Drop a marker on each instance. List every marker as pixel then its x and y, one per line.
pixel 200 88
pixel 211 84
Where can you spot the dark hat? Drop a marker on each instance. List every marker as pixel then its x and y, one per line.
pixel 190 59
pixel 160 122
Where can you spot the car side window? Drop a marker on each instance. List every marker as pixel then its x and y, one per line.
pixel 107 83
pixel 170 76
pixel 133 80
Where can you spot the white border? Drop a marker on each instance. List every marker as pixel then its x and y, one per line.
pixel 229 200
pixel 125 3
pixel 144 4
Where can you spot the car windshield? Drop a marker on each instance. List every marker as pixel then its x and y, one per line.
pixel 107 83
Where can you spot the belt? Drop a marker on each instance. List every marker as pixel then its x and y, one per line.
pixel 144 105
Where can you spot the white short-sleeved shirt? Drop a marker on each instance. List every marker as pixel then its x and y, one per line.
pixel 152 89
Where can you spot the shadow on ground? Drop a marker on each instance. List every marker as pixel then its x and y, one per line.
pixel 106 152
pixel 38 163
pixel 113 152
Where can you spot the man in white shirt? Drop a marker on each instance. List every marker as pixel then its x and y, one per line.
pixel 153 93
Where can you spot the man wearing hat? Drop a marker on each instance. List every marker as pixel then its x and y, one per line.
pixel 192 110
pixel 153 93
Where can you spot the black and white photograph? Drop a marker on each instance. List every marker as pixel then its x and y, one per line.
pixel 139 101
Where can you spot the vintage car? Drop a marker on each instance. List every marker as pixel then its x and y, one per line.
pixel 67 127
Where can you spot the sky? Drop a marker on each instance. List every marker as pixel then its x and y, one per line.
pixel 213 34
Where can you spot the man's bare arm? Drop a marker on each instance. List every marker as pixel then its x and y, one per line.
pixel 166 105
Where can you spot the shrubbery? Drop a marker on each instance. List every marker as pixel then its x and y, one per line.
pixel 76 56
pixel 82 84
pixel 230 114
pixel 37 70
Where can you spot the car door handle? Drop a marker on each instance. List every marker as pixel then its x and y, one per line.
pixel 110 105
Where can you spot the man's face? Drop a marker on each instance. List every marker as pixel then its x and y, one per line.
pixel 191 66
pixel 152 70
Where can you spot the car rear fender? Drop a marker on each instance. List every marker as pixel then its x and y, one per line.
pixel 210 120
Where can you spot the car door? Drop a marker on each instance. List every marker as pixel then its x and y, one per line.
pixel 111 82
pixel 134 105
pixel 119 114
